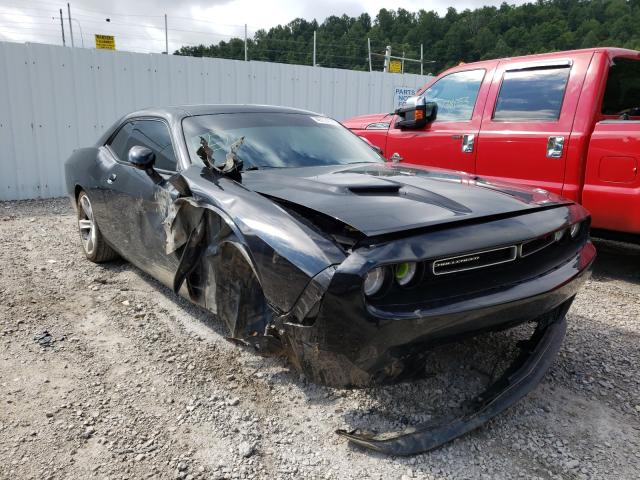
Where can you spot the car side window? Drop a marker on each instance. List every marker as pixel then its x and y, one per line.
pixel 120 141
pixel 455 95
pixel 531 94
pixel 154 135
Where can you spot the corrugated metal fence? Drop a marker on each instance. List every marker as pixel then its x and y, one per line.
pixel 55 99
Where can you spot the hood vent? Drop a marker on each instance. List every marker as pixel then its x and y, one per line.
pixel 374 189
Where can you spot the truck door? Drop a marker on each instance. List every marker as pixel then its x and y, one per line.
pixel 612 183
pixel 528 119
pixel 450 140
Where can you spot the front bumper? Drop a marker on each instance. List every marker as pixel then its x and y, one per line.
pixel 526 371
pixel 342 340
pixel 351 345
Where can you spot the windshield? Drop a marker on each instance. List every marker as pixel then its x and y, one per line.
pixel 274 140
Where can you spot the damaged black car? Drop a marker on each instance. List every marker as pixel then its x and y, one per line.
pixel 306 243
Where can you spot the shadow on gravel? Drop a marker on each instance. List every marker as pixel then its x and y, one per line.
pixel 617 261
pixel 195 311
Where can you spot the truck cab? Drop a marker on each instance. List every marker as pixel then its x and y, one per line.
pixel 567 122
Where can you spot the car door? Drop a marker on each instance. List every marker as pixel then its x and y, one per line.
pixel 136 206
pixel 449 141
pixel 528 120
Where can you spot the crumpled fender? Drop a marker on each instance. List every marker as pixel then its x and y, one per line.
pixel 283 253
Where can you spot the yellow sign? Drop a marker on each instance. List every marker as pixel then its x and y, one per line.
pixel 106 41
pixel 395 66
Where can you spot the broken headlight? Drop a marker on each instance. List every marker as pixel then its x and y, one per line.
pixel 374 280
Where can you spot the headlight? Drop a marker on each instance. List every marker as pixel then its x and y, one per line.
pixel 559 234
pixel 404 273
pixel 373 281
pixel 574 229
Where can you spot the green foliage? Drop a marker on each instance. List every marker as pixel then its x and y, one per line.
pixel 466 36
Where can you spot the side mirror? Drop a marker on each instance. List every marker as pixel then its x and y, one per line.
pixel 416 113
pixel 141 158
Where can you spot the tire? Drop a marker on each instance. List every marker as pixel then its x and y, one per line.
pixel 93 244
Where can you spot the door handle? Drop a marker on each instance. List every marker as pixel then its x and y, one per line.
pixel 112 178
pixel 396 158
pixel 555 145
pixel 468 140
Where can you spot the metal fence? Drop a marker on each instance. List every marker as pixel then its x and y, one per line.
pixel 55 99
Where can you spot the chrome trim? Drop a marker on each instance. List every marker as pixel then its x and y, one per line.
pixel 514 255
pixel 468 139
pixel 396 158
pixel 378 126
pixel 555 146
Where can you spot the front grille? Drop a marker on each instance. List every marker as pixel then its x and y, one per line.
pixel 471 261
pixel 441 281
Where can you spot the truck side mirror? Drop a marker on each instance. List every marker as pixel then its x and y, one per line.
pixel 416 113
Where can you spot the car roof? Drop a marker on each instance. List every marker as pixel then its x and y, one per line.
pixel 181 111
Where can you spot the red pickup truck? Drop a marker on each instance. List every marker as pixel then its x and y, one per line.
pixel 568 122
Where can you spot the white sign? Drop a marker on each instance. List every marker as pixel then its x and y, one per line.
pixel 400 95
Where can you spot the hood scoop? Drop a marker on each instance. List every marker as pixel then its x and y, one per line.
pixel 373 189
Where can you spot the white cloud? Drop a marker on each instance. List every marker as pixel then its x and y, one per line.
pixel 139 25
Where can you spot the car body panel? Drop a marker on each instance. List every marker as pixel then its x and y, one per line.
pixel 422 197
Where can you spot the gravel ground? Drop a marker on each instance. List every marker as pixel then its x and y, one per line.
pixel 105 373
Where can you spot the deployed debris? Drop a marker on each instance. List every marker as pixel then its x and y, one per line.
pixel 44 339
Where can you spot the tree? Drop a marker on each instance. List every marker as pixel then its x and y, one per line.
pixel 469 35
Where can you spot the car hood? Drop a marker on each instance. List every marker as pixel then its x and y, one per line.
pixel 361 122
pixel 382 198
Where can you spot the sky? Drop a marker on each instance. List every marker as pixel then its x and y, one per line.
pixel 138 25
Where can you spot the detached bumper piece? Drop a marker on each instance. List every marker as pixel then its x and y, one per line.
pixel 535 357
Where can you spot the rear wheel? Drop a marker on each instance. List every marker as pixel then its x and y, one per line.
pixel 93 243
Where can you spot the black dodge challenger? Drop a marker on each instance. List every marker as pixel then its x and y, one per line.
pixel 305 242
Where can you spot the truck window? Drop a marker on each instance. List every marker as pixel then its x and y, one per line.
pixel 455 95
pixel 531 94
pixel 622 94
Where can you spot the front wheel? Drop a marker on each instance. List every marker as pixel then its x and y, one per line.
pixel 93 243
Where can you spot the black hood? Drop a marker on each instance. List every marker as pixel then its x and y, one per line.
pixel 383 198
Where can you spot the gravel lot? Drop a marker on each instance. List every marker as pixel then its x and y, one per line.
pixel 131 381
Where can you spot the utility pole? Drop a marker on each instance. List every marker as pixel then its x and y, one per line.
pixel 402 70
pixel 421 60
pixel 314 48
pixel 387 58
pixel 70 27
pixel 369 47
pixel 166 36
pixel 64 44
pixel 246 57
